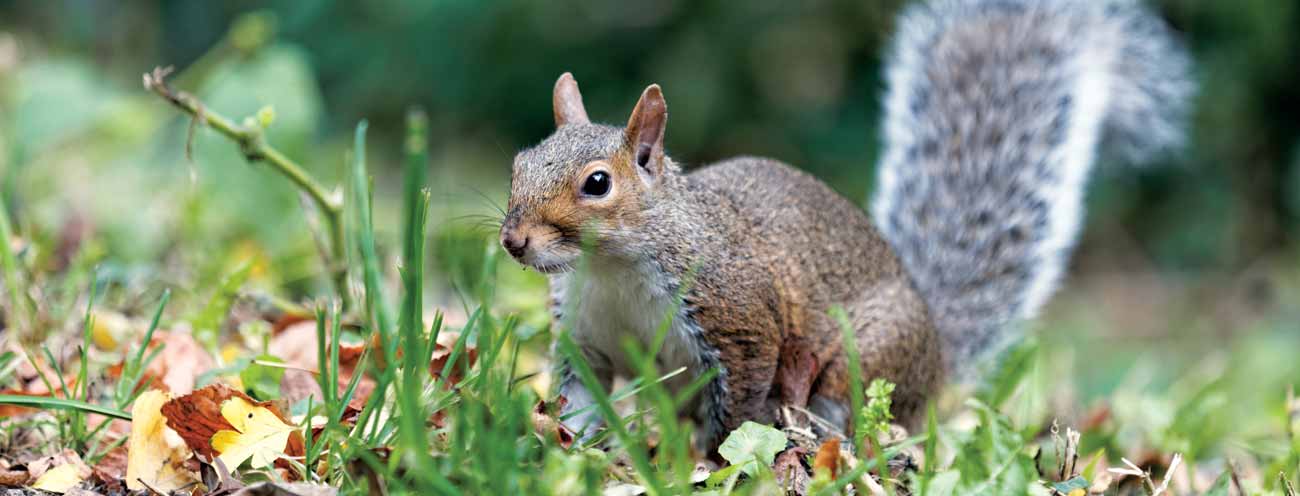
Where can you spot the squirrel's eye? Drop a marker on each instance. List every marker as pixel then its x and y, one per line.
pixel 597 184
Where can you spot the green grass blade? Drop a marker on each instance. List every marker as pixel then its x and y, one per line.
pixel 9 264
pixel 855 377
pixel 613 422
pixel 61 404
pixel 376 307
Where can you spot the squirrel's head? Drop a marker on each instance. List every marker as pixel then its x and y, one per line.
pixel 586 183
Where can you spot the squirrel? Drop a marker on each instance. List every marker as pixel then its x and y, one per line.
pixel 994 112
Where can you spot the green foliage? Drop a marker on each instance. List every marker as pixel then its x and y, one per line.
pixel 207 324
pixel 876 415
pixel 129 385
pixel 752 446
pixel 262 380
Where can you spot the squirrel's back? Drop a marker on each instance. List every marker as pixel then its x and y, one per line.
pixel 995 112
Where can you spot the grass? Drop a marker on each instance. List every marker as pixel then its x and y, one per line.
pixel 998 441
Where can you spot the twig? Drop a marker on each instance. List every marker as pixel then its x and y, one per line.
pixel 866 481
pixel 253 145
pixel 1287 488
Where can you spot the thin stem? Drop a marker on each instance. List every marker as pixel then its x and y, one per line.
pixel 255 149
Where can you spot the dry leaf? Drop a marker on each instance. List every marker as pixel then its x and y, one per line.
pixel 828 458
pixel 181 361
pixel 442 352
pixel 59 479
pixel 296 345
pixel 258 434
pixel 58 473
pixel 197 417
pixel 546 424
pixel 789 470
pixel 112 465
pixel 14 477
pixel 156 455
pixel 37 466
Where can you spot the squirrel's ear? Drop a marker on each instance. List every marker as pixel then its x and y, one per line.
pixel 566 102
pixel 644 135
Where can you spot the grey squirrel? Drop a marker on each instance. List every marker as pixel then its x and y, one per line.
pixel 994 113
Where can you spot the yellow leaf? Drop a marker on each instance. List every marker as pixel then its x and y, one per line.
pixel 59 479
pixel 259 434
pixel 155 453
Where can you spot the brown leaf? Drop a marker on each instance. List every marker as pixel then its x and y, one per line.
pixel 197 417
pixel 546 424
pixel 297 346
pixel 30 383
pixel 789 470
pixel 179 364
pixel 13 477
pixel 289 319
pixel 112 466
pixel 155 457
pixel 442 352
pixel 828 458
pixel 41 466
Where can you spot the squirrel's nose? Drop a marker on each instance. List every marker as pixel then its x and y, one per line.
pixel 514 242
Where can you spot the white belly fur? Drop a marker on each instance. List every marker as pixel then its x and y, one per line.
pixel 617 301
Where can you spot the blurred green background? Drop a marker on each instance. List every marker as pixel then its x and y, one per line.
pixel 1181 264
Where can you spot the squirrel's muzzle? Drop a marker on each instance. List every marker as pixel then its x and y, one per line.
pixel 513 240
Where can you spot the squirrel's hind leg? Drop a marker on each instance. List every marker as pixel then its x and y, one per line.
pixel 896 342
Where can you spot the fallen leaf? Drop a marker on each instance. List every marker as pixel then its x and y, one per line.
pixel 58 473
pixel 197 417
pixel 14 477
pixel 180 362
pixel 59 479
pixel 442 353
pixel 546 424
pixel 828 458
pixel 37 466
pixel 296 345
pixel 258 434
pixel 789 470
pixel 156 455
pixel 112 466
pixel 148 379
pixel 216 477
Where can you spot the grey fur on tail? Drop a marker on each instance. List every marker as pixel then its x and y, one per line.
pixel 995 112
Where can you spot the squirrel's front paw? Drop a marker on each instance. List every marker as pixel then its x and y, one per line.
pixel 578 412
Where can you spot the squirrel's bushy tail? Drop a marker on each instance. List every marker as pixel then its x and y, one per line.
pixel 995 112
